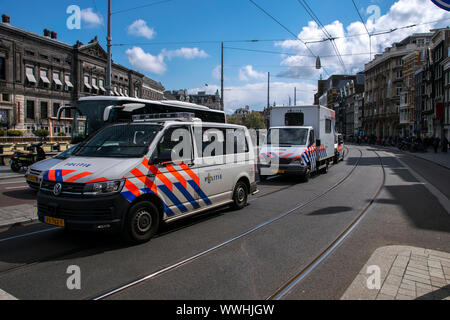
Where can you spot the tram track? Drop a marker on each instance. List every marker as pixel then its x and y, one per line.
pixel 192 258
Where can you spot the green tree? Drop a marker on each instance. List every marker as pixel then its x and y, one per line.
pixel 254 120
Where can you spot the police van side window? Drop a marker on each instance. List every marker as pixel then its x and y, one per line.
pixel 179 140
pixel 213 142
pixel 327 126
pixel 236 141
pixel 311 138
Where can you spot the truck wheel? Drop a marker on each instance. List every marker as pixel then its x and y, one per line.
pixel 305 177
pixel 324 170
pixel 141 222
pixel 240 196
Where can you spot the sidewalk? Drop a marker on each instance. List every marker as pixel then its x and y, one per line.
pixel 406 273
pixel 17 214
pixel 440 158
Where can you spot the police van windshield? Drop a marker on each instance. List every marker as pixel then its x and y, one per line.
pixel 287 137
pixel 120 141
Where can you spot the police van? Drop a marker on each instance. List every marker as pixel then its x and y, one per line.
pixel 300 141
pixel 131 177
pixel 339 152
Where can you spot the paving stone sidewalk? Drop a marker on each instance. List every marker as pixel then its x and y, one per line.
pixel 440 158
pixel 406 273
pixel 17 214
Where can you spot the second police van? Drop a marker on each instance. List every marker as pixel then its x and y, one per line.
pixel 300 141
pixel 130 177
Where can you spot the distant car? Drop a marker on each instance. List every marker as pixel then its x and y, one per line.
pixel 35 172
pixel 338 148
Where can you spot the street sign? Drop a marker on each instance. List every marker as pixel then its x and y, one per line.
pixel 443 4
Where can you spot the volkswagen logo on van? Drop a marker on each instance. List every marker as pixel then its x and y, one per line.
pixel 57 189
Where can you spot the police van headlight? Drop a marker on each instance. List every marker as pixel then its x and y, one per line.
pixel 103 188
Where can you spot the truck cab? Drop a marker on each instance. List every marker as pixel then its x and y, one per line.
pixel 288 150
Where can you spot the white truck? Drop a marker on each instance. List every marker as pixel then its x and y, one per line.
pixel 300 140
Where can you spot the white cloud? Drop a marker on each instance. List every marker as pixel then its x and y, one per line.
pixel 216 73
pixel 146 61
pixel 401 13
pixel 186 53
pixel 247 73
pixel 91 18
pixel 139 28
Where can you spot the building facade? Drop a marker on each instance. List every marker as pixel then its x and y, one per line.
pixel 39 73
pixel 211 101
pixel 384 85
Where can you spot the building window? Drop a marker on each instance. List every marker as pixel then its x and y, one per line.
pixel 29 73
pixel 29 53
pixel 5 97
pixel 44 110
pixel 2 68
pixel 94 85
pixel 30 109
pixel 87 86
pixel 43 78
pixel 67 84
pixel 101 84
pixel 55 109
pixel 136 92
pixel 57 81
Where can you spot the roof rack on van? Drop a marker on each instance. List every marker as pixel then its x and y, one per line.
pixel 161 117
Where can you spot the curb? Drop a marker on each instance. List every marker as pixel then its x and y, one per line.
pixel 18 215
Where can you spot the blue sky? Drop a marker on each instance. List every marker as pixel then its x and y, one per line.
pixel 159 43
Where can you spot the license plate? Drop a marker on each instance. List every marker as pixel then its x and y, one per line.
pixel 32 178
pixel 54 221
pixel 279 171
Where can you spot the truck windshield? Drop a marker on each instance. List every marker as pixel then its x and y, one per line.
pixel 287 137
pixel 120 141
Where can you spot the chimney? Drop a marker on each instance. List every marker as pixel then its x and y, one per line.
pixel 53 35
pixel 46 32
pixel 6 18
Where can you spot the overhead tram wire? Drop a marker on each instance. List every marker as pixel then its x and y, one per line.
pixel 307 41
pixel 142 6
pixel 311 13
pixel 289 31
pixel 365 27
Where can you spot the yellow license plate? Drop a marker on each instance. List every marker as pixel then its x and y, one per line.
pixel 54 221
pixel 32 178
pixel 279 171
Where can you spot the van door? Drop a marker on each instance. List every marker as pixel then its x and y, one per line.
pixel 176 176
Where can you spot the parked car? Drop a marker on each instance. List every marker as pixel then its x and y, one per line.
pixel 35 172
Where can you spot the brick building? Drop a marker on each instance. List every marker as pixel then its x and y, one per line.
pixel 39 73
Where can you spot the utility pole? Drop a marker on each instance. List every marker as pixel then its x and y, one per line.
pixel 268 90
pixel 221 79
pixel 108 45
pixel 295 96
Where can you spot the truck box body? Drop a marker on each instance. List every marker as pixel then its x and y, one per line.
pixel 320 118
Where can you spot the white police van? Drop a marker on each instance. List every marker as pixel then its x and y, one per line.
pixel 339 152
pixel 300 141
pixel 130 177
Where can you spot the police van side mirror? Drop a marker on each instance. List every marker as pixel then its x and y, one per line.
pixel 163 156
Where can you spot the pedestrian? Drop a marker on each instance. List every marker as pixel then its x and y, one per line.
pixel 444 144
pixel 436 144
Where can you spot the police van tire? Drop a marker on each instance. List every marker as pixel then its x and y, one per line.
pixel 324 170
pixel 141 222
pixel 305 177
pixel 240 196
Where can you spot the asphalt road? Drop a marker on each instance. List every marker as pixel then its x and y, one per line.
pixel 246 254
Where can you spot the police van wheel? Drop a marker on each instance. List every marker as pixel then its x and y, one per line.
pixel 240 196
pixel 141 222
pixel 324 170
pixel 305 177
